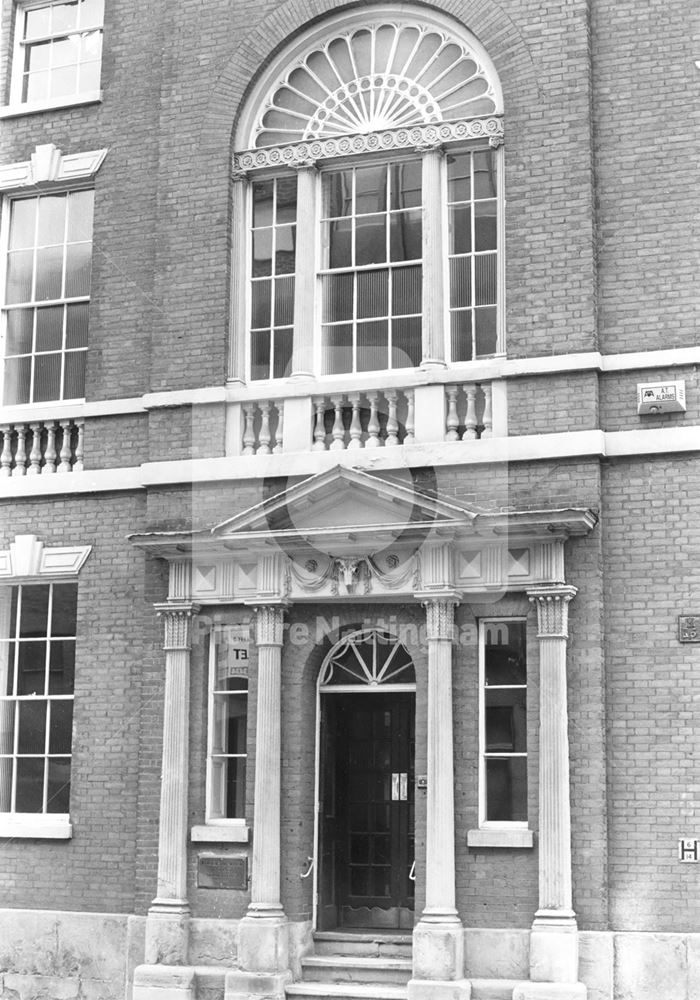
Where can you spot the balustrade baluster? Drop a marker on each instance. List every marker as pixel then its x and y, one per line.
pixel 66 449
pixel 470 420
pixel 79 447
pixel 452 416
pixel 392 424
pixel 35 451
pixel 249 430
pixel 264 437
pixel 50 454
pixel 21 453
pixel 338 442
pixel 319 425
pixel 488 411
pixel 410 416
pixel 279 429
pixel 6 457
pixel 373 439
pixel 355 424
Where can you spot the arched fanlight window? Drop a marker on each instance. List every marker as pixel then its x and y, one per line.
pixel 384 75
pixel 367 658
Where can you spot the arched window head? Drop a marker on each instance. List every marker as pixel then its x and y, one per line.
pixel 369 71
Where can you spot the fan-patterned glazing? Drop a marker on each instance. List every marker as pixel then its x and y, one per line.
pixel 383 76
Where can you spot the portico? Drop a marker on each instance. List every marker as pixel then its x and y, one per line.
pixel 347 536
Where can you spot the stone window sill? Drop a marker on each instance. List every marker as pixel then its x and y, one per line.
pixel 499 837
pixel 229 833
pixel 36 827
pixel 15 110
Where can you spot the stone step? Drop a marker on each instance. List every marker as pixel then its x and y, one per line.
pixel 370 944
pixel 210 981
pixel 356 969
pixel 346 991
pixel 493 989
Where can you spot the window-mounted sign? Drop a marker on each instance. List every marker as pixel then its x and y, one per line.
pixel 689 850
pixel 233 651
pixel 689 628
pixel 222 871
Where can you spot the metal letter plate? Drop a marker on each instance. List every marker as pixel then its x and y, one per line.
pixel 222 871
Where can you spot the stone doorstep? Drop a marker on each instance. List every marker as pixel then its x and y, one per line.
pixel 361 943
pixel 356 968
pixel 493 989
pixel 346 991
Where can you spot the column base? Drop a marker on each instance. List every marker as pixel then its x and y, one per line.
pixel 167 932
pixel 554 947
pixel 252 986
pixel 432 989
pixel 550 991
pixel 263 943
pixel 163 982
pixel 438 949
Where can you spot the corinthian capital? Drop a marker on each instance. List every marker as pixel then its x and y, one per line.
pixel 440 616
pixel 177 623
pixel 269 623
pixel 552 604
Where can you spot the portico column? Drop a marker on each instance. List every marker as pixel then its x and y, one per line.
pixel 554 936
pixel 438 938
pixel 168 916
pixel 263 951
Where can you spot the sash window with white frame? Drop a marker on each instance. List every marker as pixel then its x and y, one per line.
pixel 46 294
pixel 227 731
pixel 395 253
pixel 502 723
pixel 58 52
pixel 37 667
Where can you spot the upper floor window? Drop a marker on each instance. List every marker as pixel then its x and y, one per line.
pixel 48 254
pixel 373 185
pixel 58 52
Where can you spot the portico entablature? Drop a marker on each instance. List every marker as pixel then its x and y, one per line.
pixel 348 534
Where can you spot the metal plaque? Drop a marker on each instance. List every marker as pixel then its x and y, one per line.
pixel 689 628
pixel 222 871
pixel 689 850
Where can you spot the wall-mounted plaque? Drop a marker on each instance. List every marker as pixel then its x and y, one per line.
pixel 689 628
pixel 222 871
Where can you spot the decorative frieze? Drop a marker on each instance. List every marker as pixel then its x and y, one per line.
pixel 177 621
pixel 552 604
pixel 430 135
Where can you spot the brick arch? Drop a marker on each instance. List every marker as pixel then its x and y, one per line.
pixel 495 29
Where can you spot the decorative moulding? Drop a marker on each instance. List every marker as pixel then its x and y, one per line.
pixel 229 833
pixel 298 153
pixel 27 557
pixel 488 837
pixel 48 165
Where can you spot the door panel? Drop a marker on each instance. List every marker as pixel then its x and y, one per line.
pixel 369 843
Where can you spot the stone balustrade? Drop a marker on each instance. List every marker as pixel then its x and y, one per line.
pixel 368 418
pixel 42 447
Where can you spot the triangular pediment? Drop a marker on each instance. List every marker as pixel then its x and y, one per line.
pixel 345 502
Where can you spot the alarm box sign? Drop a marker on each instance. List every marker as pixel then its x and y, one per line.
pixel 661 397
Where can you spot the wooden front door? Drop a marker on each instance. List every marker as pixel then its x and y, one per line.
pixel 367 810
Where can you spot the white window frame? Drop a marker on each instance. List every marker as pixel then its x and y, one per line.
pixel 54 826
pixel 496 833
pixel 16 106
pixel 216 828
pixel 5 213
pixel 309 272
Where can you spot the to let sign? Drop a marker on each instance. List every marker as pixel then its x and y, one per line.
pixel 689 628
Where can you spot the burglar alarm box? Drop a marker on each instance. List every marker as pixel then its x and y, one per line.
pixel 661 397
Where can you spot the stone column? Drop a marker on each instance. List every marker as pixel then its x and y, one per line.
pixel 305 281
pixel 438 939
pixel 554 936
pixel 263 951
pixel 168 916
pixel 433 258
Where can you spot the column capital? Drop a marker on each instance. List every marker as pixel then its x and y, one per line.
pixel 239 176
pixel 177 620
pixel 430 147
pixel 552 603
pixel 306 165
pixel 269 622
pixel 440 614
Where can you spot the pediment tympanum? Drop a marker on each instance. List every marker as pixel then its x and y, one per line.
pixel 348 533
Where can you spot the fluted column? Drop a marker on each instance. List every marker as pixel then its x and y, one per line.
pixel 168 916
pixel 433 258
pixel 438 938
pixel 265 885
pixel 554 940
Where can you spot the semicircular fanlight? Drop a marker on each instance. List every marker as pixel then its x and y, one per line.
pixel 370 657
pixel 383 76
